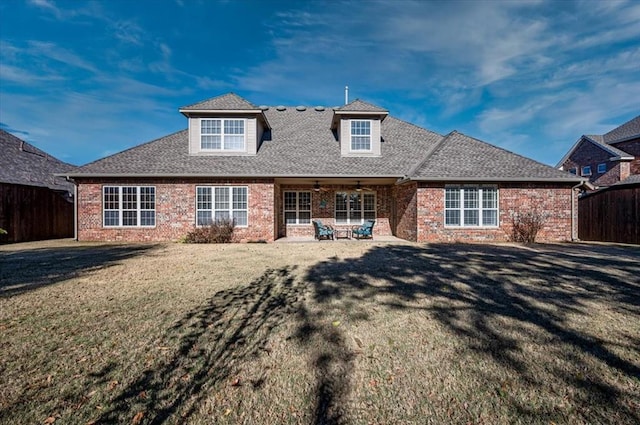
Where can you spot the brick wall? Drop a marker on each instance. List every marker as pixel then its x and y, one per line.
pixel 589 154
pixel 632 147
pixel 406 211
pixel 175 210
pixel 553 200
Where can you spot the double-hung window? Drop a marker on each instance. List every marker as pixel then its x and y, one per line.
pixel 297 207
pixel 471 206
pixel 215 203
pixel 355 207
pixel 129 206
pixel 222 134
pixel 360 135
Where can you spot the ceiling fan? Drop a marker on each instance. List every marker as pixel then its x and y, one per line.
pixel 360 188
pixel 318 188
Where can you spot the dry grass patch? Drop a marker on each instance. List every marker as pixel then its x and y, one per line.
pixel 319 333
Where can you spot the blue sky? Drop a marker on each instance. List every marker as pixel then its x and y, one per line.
pixel 82 79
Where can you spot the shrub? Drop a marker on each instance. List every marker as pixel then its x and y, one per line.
pixel 220 231
pixel 527 225
pixel 2 231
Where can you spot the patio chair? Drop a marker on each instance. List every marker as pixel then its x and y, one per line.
pixel 322 231
pixel 364 231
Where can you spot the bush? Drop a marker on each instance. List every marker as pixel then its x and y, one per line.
pixel 220 231
pixel 526 226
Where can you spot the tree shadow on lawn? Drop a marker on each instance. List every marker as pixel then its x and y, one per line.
pixel 25 270
pixel 215 340
pixel 468 288
pixel 235 325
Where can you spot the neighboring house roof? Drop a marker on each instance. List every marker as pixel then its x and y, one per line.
pixel 23 163
pixel 628 130
pixel 302 144
pixel 459 157
pixel 632 179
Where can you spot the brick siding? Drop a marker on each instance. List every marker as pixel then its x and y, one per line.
pixel 175 210
pixel 410 211
pixel 406 211
pixel 589 154
pixel 553 200
pixel 632 147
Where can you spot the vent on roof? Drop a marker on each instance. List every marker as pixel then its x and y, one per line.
pixel 301 108
pixel 264 107
pixel 280 108
pixel 319 108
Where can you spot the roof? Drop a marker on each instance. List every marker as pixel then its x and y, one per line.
pixel 360 106
pixel 599 141
pixel 628 130
pixel 302 144
pixel 229 101
pixel 458 157
pixel 23 163
pixel 632 179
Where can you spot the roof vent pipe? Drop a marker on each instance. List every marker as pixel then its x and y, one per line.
pixel 346 94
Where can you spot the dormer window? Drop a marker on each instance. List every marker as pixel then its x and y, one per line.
pixel 222 134
pixel 360 135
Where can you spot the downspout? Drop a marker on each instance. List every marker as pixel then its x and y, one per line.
pixel 75 208
pixel 574 224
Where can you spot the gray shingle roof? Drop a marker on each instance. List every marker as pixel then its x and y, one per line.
pixel 226 101
pixel 632 179
pixel 23 163
pixel 628 130
pixel 459 157
pixel 360 106
pixel 303 144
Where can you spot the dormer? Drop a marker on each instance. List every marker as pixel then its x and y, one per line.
pixel 226 125
pixel 358 127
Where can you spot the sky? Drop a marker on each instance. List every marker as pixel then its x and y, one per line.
pixel 86 79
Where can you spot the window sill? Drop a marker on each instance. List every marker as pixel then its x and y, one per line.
pixel 448 226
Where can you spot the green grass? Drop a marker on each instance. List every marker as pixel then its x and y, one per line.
pixel 324 333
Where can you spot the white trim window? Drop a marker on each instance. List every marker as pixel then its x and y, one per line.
pixel 586 170
pixel 222 134
pixel 297 207
pixel 215 203
pixel 471 207
pixel 602 168
pixel 355 207
pixel 360 135
pixel 129 206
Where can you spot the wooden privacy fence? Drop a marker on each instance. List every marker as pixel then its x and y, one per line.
pixel 610 215
pixel 31 213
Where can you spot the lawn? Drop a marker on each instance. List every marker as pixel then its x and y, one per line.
pixel 319 333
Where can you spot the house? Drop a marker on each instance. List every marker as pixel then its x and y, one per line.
pixel 274 169
pixel 606 159
pixel 35 204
